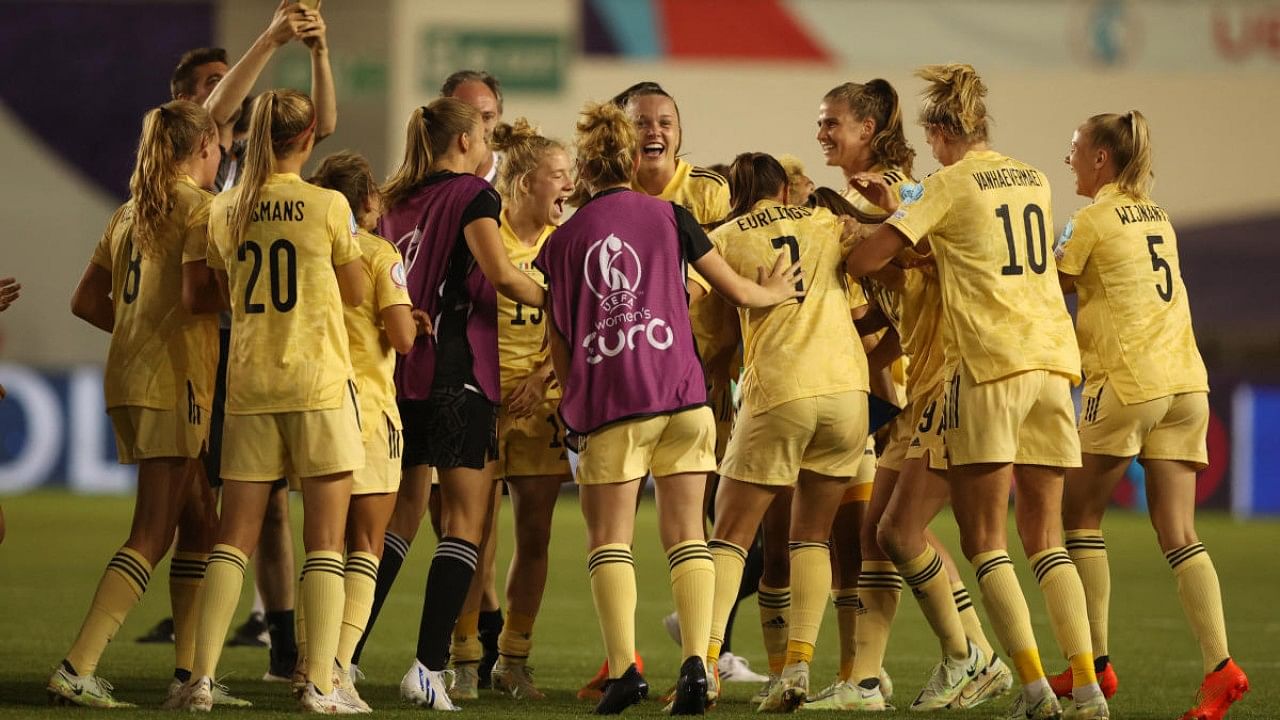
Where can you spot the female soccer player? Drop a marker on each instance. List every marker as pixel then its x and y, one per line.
pixel 860 129
pixel 1012 359
pixel 377 329
pixel 804 411
pixel 444 219
pixel 286 251
pixel 146 280
pixel 634 392
pixel 1146 393
pixel 535 181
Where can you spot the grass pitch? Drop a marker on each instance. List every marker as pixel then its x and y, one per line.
pixel 58 544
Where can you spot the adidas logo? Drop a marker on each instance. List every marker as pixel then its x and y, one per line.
pixel 777 622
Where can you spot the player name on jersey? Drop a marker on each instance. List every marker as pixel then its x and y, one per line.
pixel 275 211
pixel 771 214
pixel 1141 213
pixel 1007 177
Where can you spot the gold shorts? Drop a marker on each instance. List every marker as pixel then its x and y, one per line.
pixel 927 439
pixel 720 398
pixel 1027 418
pixel 682 442
pixel 826 435
pixel 1173 427
pixel 533 445
pixel 145 433
pixel 895 450
pixel 382 451
pixel 307 444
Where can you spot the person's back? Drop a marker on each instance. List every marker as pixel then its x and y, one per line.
pixel 804 348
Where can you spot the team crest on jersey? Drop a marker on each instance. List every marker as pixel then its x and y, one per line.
pixel 613 272
pixel 397 275
pixel 910 192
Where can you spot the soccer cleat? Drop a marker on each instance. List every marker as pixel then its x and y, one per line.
pixel 1043 707
pixel 466 682
pixel 994 681
pixel 592 690
pixel 161 633
pixel 886 684
pixel 346 689
pixel 1220 689
pixel 766 688
pixel 516 680
pixel 735 668
pixel 672 624
pixel 1107 680
pixel 620 693
pixel 173 699
pixel 691 688
pixel 64 688
pixel 426 688
pixel 335 703
pixel 791 690
pixel 844 695
pixel 1094 708
pixel 251 633
pixel 195 695
pixel 948 680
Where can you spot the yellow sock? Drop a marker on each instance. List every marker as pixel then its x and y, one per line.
pixel 515 642
pixel 465 647
pixel 223 578
pixel 613 589
pixel 120 588
pixel 775 621
pixel 879 589
pixel 359 582
pixel 846 604
pixel 932 589
pixel 728 561
pixel 1064 599
pixel 970 620
pixel 323 597
pixel 693 587
pixel 1007 608
pixel 810 584
pixel 1089 553
pixel 1201 598
pixel 186 573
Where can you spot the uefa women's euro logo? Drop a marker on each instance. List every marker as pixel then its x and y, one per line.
pixel 612 269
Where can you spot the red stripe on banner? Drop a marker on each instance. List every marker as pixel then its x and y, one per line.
pixel 743 29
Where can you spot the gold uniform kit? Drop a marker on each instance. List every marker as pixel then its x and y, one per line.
pixel 162 360
pixel 805 383
pixel 291 398
pixel 705 194
pixel 1146 389
pixel 533 445
pixel 374 362
pixel 1011 354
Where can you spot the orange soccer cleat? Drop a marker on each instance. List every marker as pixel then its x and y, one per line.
pixel 1107 680
pixel 595 686
pixel 1220 688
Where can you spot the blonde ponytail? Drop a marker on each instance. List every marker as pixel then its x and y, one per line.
pixel 606 144
pixel 953 101
pixel 171 134
pixel 523 149
pixel 432 129
pixel 280 124
pixel 1127 139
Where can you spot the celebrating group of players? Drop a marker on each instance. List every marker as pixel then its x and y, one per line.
pixel 453 319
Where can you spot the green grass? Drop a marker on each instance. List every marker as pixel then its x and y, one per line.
pixel 57 545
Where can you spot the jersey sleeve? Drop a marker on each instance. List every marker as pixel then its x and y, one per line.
pixel 486 204
pixel 693 239
pixel 857 296
pixel 195 232
pixel 102 251
pixel 343 229
pixel 1076 244
pixel 923 207
pixel 389 279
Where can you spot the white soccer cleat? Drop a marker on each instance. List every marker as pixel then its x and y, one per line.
pixel 791 690
pixel 466 682
pixel 1043 705
pixel 672 624
pixel 343 685
pixel 83 690
pixel 735 668
pixel 848 696
pixel 516 680
pixel 426 688
pixel 335 703
pixel 221 696
pixel 948 680
pixel 994 680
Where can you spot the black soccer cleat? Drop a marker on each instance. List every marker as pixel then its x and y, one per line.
pixel 490 629
pixel 161 633
pixel 253 633
pixel 623 692
pixel 691 688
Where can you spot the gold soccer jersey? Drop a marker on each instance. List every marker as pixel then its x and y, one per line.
pixel 1134 321
pixel 373 360
pixel 522 346
pixel 161 357
pixel 801 348
pixel 289 348
pixel 988 219
pixel 702 192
